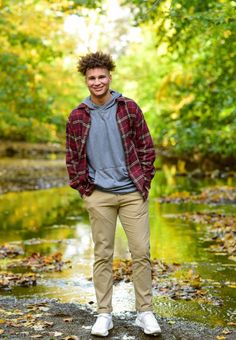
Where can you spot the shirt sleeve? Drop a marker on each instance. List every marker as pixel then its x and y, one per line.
pixel 72 160
pixel 144 147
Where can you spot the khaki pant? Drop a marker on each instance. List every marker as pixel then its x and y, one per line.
pixel 132 210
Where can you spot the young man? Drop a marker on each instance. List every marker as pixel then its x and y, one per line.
pixel 110 158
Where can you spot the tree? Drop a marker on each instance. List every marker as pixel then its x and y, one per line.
pixel 196 96
pixel 34 80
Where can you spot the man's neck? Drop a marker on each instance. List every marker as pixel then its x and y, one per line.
pixel 102 100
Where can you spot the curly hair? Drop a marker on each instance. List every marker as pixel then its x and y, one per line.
pixel 93 60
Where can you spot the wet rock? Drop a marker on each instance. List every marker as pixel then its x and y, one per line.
pixel 197 173
pixel 216 174
pixel 30 150
pixel 20 175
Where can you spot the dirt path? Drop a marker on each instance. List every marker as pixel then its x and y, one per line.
pixel 50 319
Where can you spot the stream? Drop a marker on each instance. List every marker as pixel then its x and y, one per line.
pixel 54 220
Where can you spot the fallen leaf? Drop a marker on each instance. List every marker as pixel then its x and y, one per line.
pixel 48 323
pixel 7 280
pixel 38 327
pixel 1 331
pixel 10 250
pixel 36 336
pixel 220 337
pixel 171 322
pixel 226 331
pixel 56 333
pixel 38 263
pixel 44 309
pixel 68 319
pixel 223 194
pixel 220 231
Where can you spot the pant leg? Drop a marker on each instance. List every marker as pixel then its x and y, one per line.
pixel 134 217
pixel 102 209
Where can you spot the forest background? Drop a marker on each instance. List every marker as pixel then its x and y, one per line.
pixel 176 58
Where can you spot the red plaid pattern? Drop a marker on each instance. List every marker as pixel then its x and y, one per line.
pixel 137 143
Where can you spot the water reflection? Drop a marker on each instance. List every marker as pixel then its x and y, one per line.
pixel 54 220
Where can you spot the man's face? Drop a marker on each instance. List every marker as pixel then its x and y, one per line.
pixel 98 82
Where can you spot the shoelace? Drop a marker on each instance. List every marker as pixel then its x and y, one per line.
pixel 150 315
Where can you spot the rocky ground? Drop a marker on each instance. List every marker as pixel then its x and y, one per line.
pixel 50 319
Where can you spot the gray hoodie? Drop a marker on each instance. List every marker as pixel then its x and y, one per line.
pixel 105 152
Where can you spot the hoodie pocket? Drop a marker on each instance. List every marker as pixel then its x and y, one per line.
pixel 112 177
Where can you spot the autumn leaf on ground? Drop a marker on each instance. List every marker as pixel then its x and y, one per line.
pixel 223 194
pixel 186 287
pixel 226 331
pixel 193 279
pixel 56 334
pixel 36 336
pixel 48 323
pixel 220 337
pixel 221 230
pixel 10 250
pixel 8 280
pixel 38 305
pixel 38 263
pixel 122 269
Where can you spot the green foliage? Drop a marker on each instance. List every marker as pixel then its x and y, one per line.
pixel 182 72
pixel 196 99
pixel 35 97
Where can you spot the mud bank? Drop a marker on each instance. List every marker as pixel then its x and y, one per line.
pixel 50 319
pixel 24 174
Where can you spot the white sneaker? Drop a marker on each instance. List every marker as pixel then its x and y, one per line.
pixel 102 325
pixel 148 322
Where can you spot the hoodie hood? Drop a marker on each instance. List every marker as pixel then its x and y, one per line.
pixel 105 106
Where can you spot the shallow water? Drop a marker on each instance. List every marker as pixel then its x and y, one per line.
pixel 55 220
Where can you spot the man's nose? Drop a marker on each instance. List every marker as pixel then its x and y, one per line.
pixel 97 81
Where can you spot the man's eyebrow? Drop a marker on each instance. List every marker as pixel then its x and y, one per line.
pixel 100 76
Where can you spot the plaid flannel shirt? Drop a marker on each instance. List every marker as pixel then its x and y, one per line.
pixel 136 139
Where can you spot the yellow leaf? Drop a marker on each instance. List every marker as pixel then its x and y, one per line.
pixel 226 331
pixel 220 337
